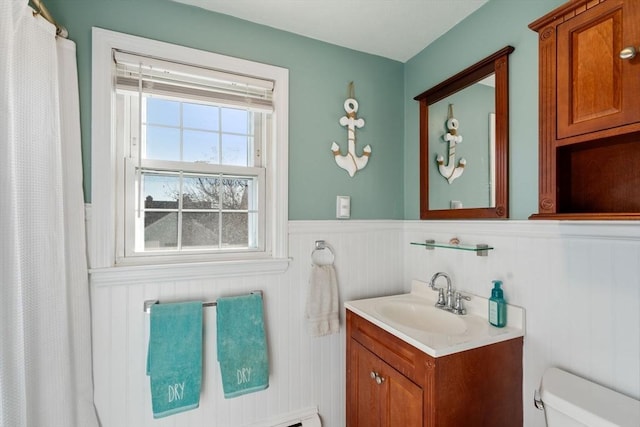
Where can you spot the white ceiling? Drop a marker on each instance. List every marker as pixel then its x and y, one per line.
pixel 395 29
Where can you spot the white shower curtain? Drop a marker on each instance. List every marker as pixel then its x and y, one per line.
pixel 45 343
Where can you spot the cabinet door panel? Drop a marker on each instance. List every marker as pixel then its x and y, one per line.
pixel 367 391
pixel 403 400
pixel 596 89
pixel 394 401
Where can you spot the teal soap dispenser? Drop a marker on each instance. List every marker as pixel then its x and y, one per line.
pixel 497 306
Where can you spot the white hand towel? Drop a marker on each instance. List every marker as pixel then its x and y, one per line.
pixel 322 301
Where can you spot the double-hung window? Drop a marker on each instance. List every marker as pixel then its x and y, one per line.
pixel 192 141
pixel 196 158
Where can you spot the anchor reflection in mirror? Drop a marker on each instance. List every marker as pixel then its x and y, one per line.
pixel 450 171
pixel 470 160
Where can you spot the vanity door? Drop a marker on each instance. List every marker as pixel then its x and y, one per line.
pixel 364 400
pixel 402 400
pixel 380 396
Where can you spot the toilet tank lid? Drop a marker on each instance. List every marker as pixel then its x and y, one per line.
pixel 587 402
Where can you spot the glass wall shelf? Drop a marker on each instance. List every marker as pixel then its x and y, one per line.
pixel 480 249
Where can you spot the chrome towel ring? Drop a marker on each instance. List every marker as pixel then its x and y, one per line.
pixel 322 253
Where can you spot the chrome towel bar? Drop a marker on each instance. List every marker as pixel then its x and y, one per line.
pixel 150 302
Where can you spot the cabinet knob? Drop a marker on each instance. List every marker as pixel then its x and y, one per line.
pixel 375 376
pixel 628 52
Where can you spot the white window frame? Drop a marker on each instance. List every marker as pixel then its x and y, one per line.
pixel 107 186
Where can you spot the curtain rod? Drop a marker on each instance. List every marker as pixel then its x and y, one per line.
pixel 42 10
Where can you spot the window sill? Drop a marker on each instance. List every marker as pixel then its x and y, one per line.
pixel 119 275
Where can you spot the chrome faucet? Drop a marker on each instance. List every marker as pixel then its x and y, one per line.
pixel 448 299
pixel 442 300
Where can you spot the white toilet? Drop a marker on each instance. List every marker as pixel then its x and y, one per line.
pixel 571 401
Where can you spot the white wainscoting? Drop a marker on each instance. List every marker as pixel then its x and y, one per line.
pixel 305 371
pixel 579 284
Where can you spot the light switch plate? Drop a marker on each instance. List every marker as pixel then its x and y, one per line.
pixel 343 207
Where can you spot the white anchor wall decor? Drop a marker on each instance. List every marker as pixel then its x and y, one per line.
pixel 351 162
pixel 450 172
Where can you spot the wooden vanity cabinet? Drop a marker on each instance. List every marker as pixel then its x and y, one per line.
pixel 589 111
pixel 391 383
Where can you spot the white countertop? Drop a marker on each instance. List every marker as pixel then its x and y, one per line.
pixel 479 332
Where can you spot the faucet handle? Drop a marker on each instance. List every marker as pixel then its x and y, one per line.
pixel 458 308
pixel 460 295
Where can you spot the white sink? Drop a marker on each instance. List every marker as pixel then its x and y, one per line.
pixel 414 319
pixel 422 317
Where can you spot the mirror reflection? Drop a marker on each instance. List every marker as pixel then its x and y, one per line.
pixel 473 110
pixel 464 140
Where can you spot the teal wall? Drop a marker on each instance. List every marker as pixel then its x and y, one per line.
pixel 495 25
pixel 319 74
pixel 388 188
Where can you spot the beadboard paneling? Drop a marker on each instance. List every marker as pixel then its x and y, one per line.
pixel 579 284
pixel 305 372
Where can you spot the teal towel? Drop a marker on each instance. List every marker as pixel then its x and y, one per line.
pixel 174 357
pixel 242 345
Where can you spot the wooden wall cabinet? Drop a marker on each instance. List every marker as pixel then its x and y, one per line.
pixel 589 111
pixel 391 383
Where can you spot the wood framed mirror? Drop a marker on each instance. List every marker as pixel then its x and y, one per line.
pixel 464 143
